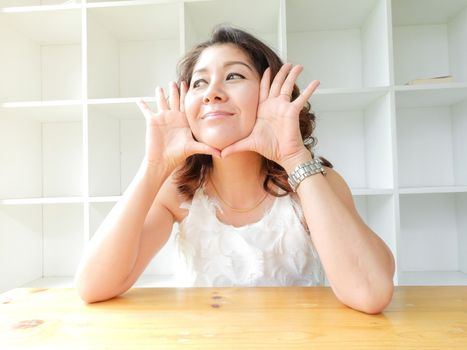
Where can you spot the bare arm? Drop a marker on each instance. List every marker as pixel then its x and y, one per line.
pixel 127 239
pixel 359 265
pixel 140 224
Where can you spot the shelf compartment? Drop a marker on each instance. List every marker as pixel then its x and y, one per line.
pixel 431 129
pixel 341 43
pixel 39 241
pixel 429 39
pixel 364 131
pixel 433 238
pixel 128 60
pixel 116 147
pixel 164 261
pixel 41 150
pixel 202 16
pixel 40 62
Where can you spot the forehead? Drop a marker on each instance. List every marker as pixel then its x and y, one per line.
pixel 218 54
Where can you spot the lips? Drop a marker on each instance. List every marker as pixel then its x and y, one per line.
pixel 217 115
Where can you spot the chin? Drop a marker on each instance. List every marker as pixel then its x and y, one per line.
pixel 219 144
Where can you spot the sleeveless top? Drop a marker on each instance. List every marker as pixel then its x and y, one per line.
pixel 274 251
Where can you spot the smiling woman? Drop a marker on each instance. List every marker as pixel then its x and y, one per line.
pixel 222 100
pixel 226 159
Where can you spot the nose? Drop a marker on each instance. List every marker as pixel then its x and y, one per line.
pixel 214 94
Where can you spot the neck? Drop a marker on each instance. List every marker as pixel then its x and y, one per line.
pixel 238 179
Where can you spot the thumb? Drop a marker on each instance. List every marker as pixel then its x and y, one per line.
pixel 239 146
pixel 201 148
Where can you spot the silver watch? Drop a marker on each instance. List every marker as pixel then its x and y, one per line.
pixel 302 171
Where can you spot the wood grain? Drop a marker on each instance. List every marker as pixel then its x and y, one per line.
pixel 231 318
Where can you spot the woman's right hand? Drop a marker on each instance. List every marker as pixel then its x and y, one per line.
pixel 169 140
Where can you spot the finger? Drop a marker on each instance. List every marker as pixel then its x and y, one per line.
pixel 183 91
pixel 174 97
pixel 161 100
pixel 306 94
pixel 288 85
pixel 201 148
pixel 264 85
pixel 240 146
pixel 279 80
pixel 144 108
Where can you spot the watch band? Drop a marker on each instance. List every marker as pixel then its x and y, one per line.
pixel 304 170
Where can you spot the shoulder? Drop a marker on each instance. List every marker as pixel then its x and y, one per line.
pixel 171 199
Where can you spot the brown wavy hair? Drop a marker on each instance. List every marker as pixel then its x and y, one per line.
pixel 196 169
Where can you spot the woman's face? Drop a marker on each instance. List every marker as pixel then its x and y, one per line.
pixel 222 99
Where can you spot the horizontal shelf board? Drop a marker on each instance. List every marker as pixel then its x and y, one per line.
pixel 345 99
pixel 144 281
pixel 371 192
pixel 438 189
pixel 51 282
pixel 430 96
pixel 106 199
pixel 432 278
pixel 422 12
pixel 50 200
pixel 119 100
pixel 41 8
pixel 51 103
pixel 120 110
pixel 126 3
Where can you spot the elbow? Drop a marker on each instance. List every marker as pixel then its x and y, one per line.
pixel 89 292
pixel 371 301
pixel 374 301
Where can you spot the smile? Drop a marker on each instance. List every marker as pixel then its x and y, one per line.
pixel 217 115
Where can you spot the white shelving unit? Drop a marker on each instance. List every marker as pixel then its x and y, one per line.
pixel 71 136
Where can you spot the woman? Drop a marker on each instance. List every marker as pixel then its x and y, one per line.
pixel 225 158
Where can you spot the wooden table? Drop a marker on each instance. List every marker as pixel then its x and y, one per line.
pixel 231 318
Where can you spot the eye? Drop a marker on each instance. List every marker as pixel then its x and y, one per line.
pixel 198 83
pixel 231 76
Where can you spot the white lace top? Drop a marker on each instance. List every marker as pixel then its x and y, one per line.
pixel 275 251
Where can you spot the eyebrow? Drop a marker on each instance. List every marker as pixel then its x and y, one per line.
pixel 226 64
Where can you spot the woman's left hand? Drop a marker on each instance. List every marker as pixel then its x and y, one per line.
pixel 276 134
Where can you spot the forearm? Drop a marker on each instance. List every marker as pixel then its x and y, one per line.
pixel 111 254
pixel 358 264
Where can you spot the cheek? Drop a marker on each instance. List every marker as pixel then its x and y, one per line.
pixel 190 109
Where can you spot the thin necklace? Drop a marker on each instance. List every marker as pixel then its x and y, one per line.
pixel 237 209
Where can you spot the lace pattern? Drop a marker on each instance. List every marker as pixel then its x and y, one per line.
pixel 275 251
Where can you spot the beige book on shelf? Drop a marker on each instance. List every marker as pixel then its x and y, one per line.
pixel 433 80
